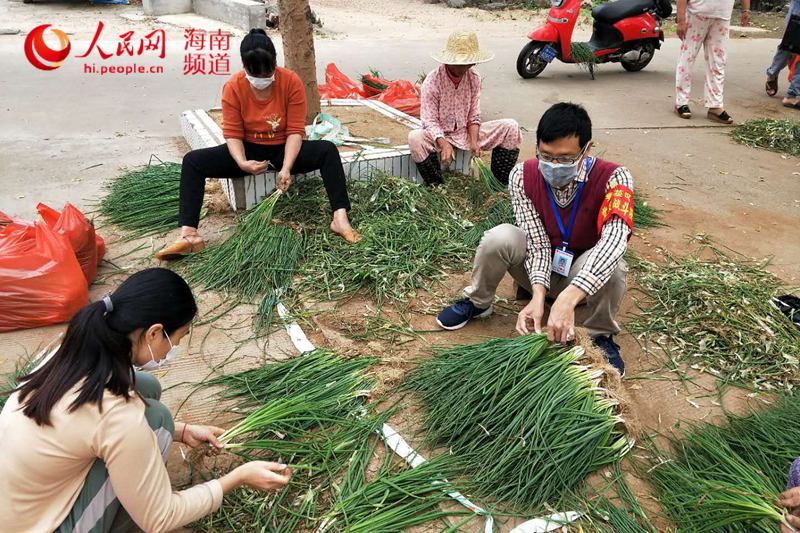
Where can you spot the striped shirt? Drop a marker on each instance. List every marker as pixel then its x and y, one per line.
pixel 603 258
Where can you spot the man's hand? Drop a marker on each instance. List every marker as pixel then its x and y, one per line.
pixel 284 179
pixel 446 152
pixel 681 31
pixel 254 167
pixel 193 436
pixel 530 318
pixel 745 18
pixel 561 322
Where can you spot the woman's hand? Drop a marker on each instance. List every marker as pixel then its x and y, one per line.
pixel 791 501
pixel 681 31
pixel 193 436
pixel 475 148
pixel 254 167
pixel 284 179
pixel 264 475
pixel 446 152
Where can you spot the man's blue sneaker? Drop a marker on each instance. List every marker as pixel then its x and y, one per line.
pixel 457 315
pixel 611 351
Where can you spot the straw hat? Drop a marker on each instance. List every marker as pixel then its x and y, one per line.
pixel 462 49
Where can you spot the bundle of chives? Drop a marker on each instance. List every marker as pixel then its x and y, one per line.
pixel 765 438
pixel 717 315
pixel 776 135
pixel 486 176
pixel 705 486
pixel 259 259
pixel 394 500
pixel 144 201
pixel 411 235
pixel 527 419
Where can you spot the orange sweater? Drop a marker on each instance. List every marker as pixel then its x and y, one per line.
pixel 267 121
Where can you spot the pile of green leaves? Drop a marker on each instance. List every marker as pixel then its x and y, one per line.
pixel 528 420
pixel 255 264
pixel 713 312
pixel 412 238
pixel 144 201
pixel 706 486
pixel 776 135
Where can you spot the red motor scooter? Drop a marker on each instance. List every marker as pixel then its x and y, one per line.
pixel 627 31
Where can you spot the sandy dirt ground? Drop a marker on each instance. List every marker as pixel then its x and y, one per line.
pixel 62 141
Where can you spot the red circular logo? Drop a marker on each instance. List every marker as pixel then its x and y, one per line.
pixel 40 54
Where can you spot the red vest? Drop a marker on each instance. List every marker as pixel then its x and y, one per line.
pixel 584 233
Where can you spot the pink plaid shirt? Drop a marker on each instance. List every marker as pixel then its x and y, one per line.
pixel 446 109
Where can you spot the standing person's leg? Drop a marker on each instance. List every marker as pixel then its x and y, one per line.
pixel 97 509
pixel 690 47
pixel 425 154
pixel 716 54
pixel 501 250
pixel 503 138
pixel 781 58
pixel 324 156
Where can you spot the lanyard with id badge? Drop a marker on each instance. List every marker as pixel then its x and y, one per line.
pixel 562 257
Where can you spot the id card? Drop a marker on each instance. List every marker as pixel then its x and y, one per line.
pixel 562 261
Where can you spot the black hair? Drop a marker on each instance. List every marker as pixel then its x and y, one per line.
pixel 562 120
pixel 258 53
pixel 97 345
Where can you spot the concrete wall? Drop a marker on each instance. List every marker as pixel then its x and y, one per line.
pixel 156 8
pixel 244 14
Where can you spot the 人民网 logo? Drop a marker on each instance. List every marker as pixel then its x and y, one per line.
pixel 40 54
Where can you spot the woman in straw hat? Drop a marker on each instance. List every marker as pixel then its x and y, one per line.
pixel 451 115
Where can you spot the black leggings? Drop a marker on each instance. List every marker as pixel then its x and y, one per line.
pixel 217 162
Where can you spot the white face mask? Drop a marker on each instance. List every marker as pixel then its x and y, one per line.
pixel 152 364
pixel 260 83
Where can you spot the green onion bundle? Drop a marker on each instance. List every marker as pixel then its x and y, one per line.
pixel 716 316
pixel 487 177
pixel 776 135
pixel 767 439
pixel 144 201
pixel 705 486
pixel 527 419
pixel 583 54
pixel 394 500
pixel 259 259
pixel 411 236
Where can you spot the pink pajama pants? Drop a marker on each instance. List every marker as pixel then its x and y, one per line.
pixel 504 133
pixel 712 35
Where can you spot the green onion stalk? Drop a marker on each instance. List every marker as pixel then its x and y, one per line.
pixel 528 421
pixel 256 263
pixel 705 486
pixel 144 201
pixel 776 135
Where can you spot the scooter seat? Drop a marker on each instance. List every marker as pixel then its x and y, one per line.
pixel 617 10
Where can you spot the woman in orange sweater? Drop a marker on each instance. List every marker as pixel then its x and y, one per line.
pixel 263 112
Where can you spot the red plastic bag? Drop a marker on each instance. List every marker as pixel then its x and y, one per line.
pixel 41 281
pixel 403 96
pixel 372 85
pixel 81 235
pixel 337 85
pixel 793 64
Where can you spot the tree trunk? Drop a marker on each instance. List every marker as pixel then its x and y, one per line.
pixel 297 34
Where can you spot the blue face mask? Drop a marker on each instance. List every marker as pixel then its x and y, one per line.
pixel 558 175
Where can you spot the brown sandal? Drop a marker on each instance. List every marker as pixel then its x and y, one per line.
pixel 180 248
pixel 771 86
pixel 722 118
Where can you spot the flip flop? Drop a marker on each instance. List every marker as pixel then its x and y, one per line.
pixel 722 118
pixel 179 249
pixel 795 105
pixel 771 86
pixel 351 236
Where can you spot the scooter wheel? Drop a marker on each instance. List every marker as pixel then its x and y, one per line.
pixel 529 62
pixel 645 56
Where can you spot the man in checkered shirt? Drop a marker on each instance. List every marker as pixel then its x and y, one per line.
pixel 574 216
